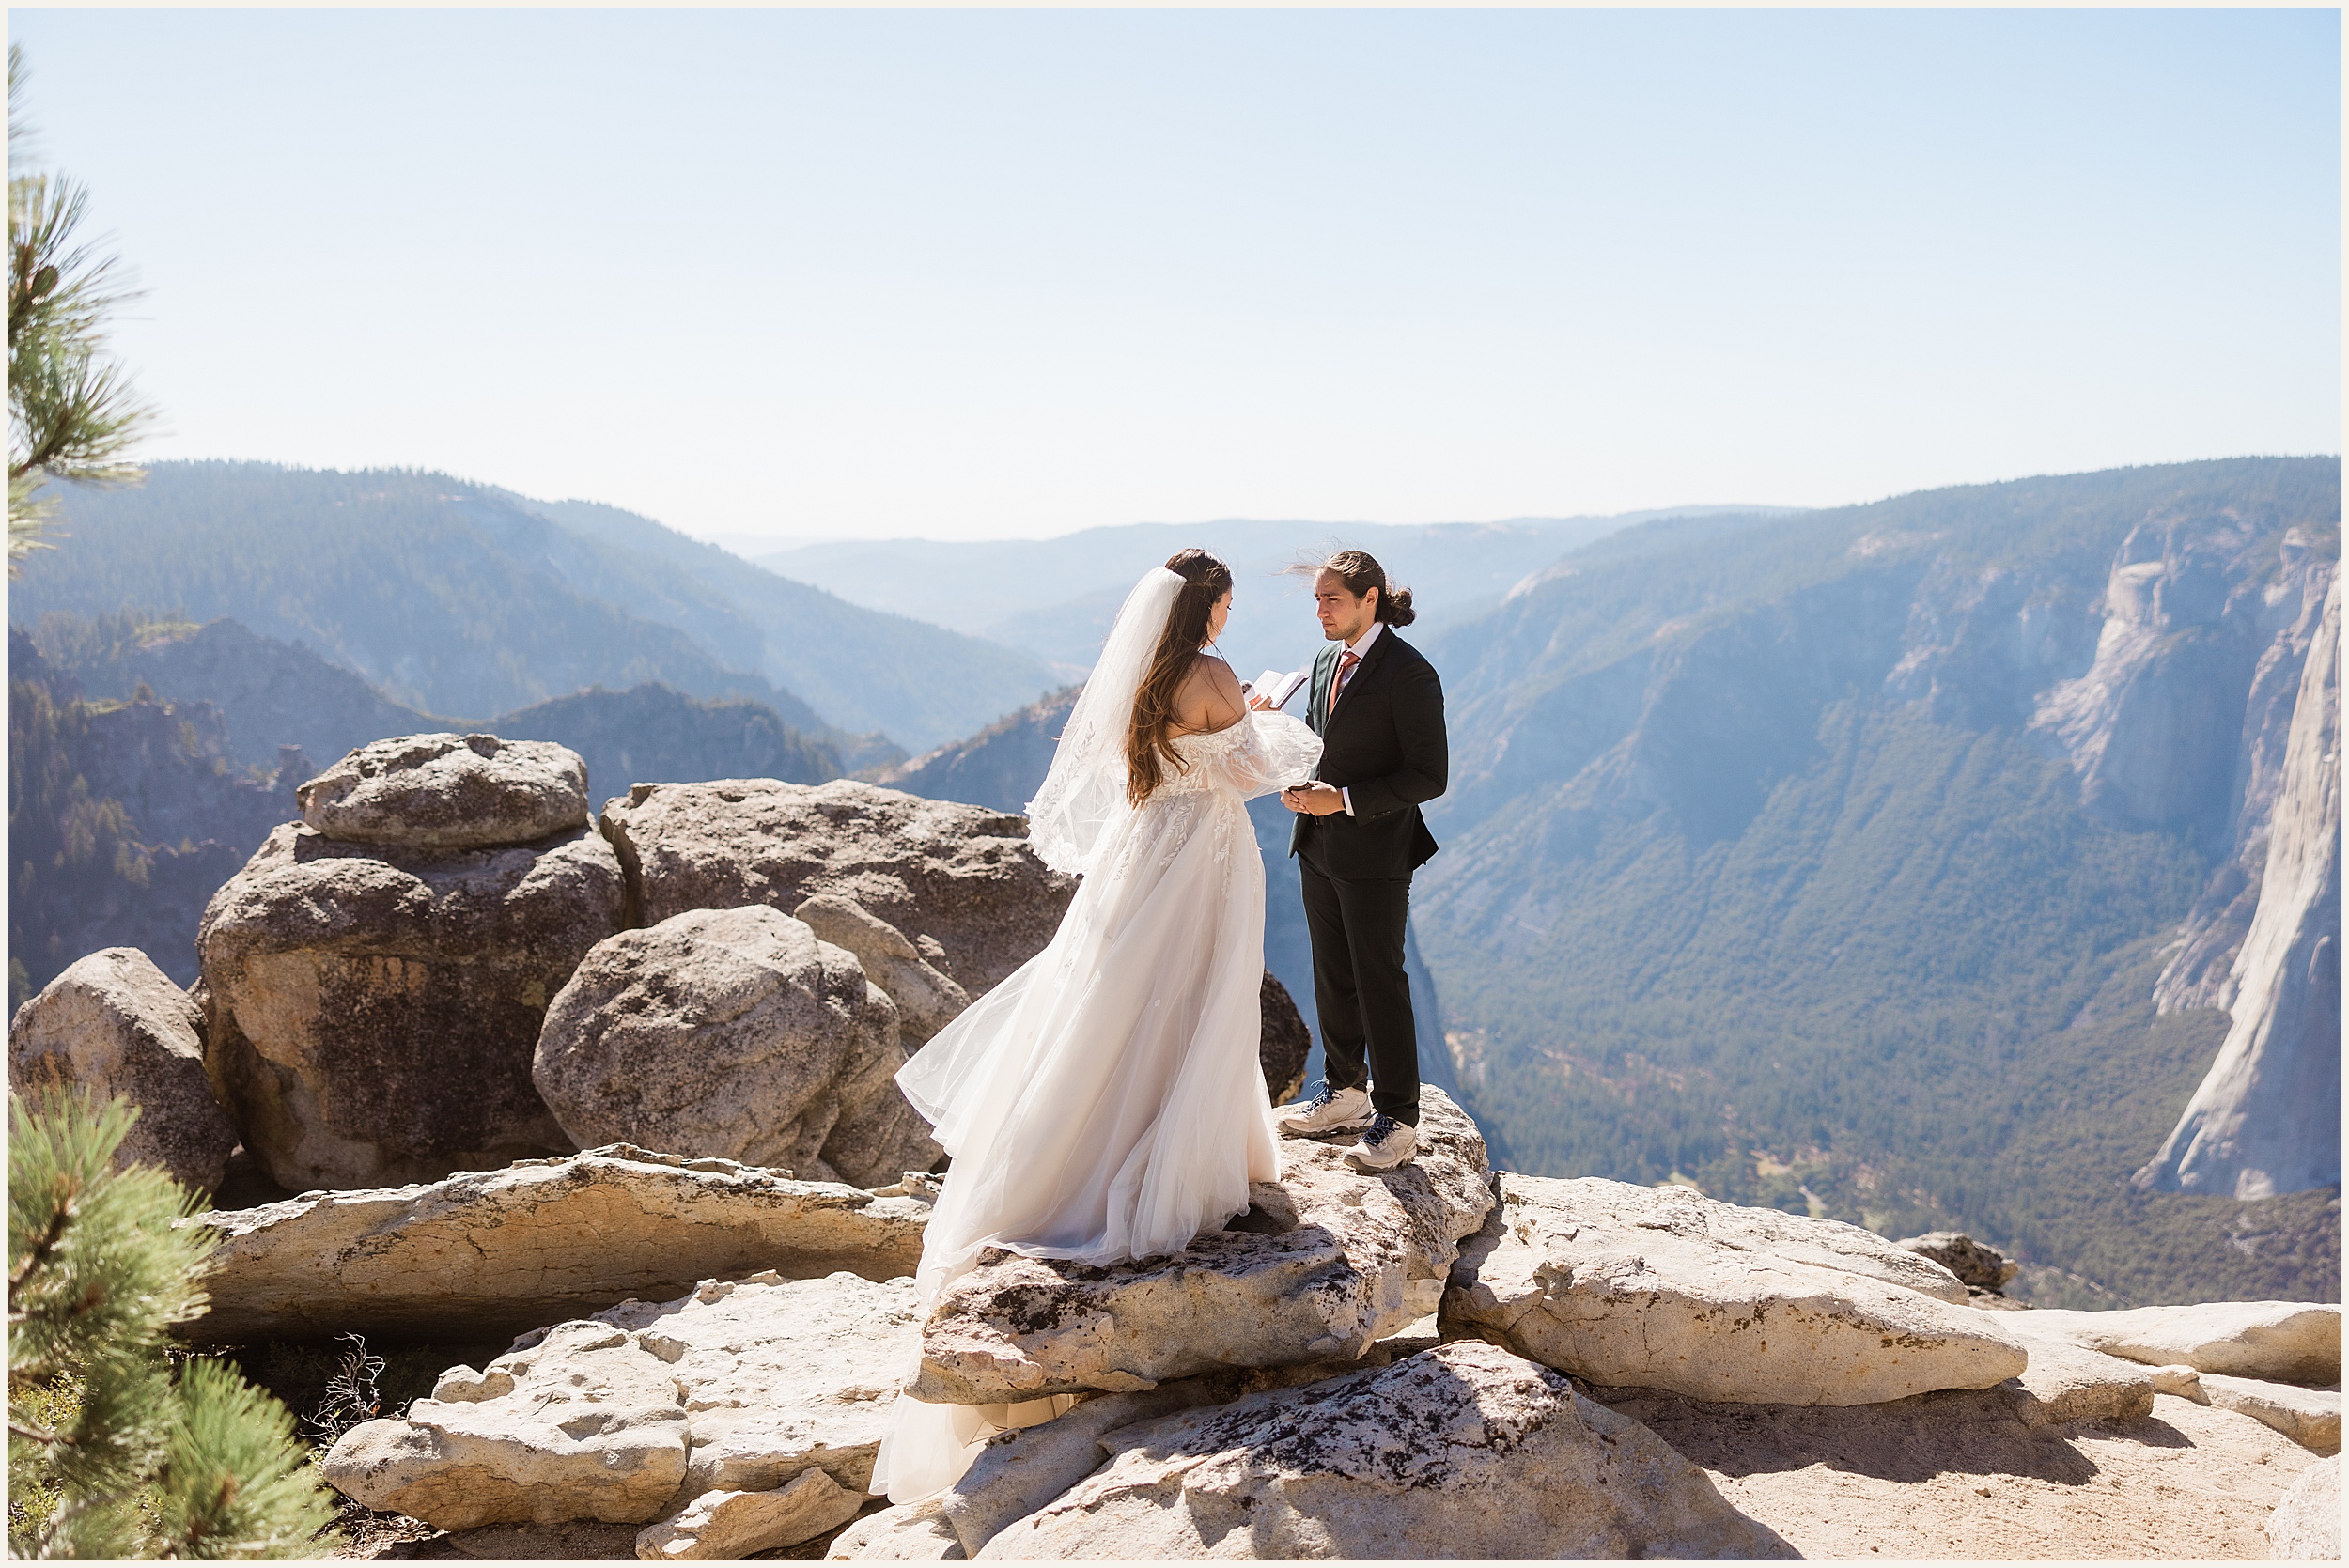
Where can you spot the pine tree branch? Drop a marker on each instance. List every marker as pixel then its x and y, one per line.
pixel 36 1254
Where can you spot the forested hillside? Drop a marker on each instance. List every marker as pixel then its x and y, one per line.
pixel 1779 857
pixel 455 597
pixel 269 694
pixel 124 817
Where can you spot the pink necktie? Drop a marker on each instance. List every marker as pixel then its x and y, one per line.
pixel 1345 672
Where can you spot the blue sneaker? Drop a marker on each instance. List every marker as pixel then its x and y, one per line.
pixel 1386 1145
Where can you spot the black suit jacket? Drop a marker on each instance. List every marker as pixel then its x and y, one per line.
pixel 1386 745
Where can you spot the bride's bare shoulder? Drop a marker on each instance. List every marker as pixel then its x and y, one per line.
pixel 1210 698
pixel 1212 668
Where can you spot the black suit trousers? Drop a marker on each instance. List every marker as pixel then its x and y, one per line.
pixel 1361 987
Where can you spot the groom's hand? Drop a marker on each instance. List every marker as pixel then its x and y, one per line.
pixel 1312 799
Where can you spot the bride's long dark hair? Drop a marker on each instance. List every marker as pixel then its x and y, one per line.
pixel 1149 747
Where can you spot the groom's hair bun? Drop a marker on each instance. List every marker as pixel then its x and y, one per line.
pixel 1360 572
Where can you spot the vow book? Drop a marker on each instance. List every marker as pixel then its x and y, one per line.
pixel 1278 688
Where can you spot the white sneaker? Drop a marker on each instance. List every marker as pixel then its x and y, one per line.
pixel 1331 1110
pixel 1386 1145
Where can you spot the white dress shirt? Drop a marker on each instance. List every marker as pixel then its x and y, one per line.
pixel 1358 647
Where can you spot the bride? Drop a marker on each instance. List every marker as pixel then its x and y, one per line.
pixel 1105 1103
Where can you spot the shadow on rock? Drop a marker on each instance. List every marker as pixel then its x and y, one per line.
pixel 1974 1432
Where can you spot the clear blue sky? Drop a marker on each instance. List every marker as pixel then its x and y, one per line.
pixel 971 274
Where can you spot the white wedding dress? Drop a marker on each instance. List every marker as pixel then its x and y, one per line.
pixel 1105 1103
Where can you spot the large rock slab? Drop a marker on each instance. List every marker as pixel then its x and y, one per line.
pixel 2310 1417
pixel 1328 1261
pixel 961 876
pixel 116 1023
pixel 449 792
pixel 2305 1527
pixel 2283 1341
pixel 476 1256
pixel 739 1387
pixel 373 1011
pixel 1020 1470
pixel 733 1034
pixel 584 1426
pixel 1465 1450
pixel 1664 1288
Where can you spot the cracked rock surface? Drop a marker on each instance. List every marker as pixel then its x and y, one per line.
pixel 1465 1450
pixel 632 1414
pixel 731 1525
pixel 585 1426
pixel 1020 1470
pixel 1663 1288
pixel 1329 1260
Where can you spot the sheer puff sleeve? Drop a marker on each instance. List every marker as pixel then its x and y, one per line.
pixel 1273 751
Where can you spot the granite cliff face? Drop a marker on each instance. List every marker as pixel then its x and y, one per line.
pixel 2200 972
pixel 2266 1118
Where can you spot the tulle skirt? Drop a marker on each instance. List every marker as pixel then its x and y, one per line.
pixel 1105 1103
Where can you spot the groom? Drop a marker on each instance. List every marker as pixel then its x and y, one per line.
pixel 1379 708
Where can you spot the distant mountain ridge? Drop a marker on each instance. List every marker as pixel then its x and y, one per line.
pixel 1056 598
pixel 269 694
pixel 455 597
